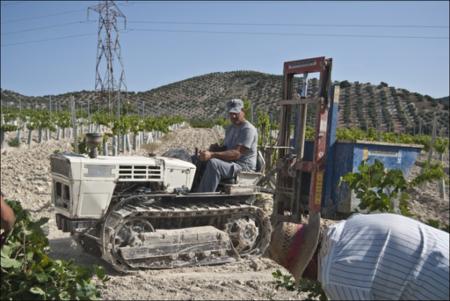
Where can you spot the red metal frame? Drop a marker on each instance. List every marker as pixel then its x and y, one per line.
pixel 287 182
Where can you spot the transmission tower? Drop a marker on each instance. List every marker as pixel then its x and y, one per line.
pixel 109 60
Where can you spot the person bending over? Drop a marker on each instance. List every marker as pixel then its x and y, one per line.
pixel 369 257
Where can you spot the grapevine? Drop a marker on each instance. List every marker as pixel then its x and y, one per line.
pixel 29 273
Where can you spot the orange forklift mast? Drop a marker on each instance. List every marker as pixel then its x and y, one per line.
pixel 292 166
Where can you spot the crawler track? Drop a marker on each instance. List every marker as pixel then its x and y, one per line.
pixel 246 227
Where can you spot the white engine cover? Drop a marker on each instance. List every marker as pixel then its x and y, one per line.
pixel 91 181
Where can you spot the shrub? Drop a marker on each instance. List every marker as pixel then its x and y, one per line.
pixel 28 273
pixel 375 187
pixel 14 142
pixel 313 288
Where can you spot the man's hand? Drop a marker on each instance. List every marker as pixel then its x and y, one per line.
pixel 205 155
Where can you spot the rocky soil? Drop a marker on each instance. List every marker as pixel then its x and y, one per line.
pixel 25 176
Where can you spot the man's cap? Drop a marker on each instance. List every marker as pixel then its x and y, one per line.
pixel 293 245
pixel 235 105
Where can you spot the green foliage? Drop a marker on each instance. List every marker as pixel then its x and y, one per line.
pixel 28 273
pixel 440 145
pixel 63 119
pixel 353 134
pixel 375 187
pixel 430 172
pixel 313 288
pixel 135 123
pixel 247 108
pixel 14 142
pixel 265 126
pixel 102 118
pixel 8 127
pixel 81 114
pixel 425 140
pixel 222 121
pixel 309 133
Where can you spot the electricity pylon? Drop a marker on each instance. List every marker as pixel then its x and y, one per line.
pixel 109 60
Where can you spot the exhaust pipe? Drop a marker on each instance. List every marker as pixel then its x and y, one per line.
pixel 92 141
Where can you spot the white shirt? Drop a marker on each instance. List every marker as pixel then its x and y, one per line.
pixel 384 256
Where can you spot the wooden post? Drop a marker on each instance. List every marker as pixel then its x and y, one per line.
pixel 19 130
pixel 30 131
pixel 442 191
pixel 115 146
pixel 105 148
pixel 433 138
pixel 39 135
pixel 135 141
pixel 127 140
pixel 74 124
pixel 2 139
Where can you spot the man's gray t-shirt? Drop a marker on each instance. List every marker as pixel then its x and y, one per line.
pixel 247 136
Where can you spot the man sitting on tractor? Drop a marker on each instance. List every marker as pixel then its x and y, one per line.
pixel 239 151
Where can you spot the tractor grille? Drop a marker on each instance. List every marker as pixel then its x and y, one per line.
pixel 60 166
pixel 140 172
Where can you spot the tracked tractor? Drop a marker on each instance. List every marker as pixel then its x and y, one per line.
pixel 138 212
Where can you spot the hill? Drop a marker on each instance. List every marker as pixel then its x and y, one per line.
pixel 361 105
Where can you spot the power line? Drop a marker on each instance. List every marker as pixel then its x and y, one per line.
pixel 41 17
pixel 294 24
pixel 46 27
pixel 12 3
pixel 49 39
pixel 244 33
pixel 207 23
pixel 295 34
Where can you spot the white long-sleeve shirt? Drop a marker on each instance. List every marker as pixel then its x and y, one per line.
pixel 384 256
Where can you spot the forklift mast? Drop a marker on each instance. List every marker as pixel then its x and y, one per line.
pixel 288 205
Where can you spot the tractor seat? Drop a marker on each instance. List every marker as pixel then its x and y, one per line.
pixel 260 166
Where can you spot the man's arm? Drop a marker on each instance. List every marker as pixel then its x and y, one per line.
pixel 228 155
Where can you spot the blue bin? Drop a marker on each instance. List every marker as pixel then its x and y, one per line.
pixel 349 155
pixel 346 157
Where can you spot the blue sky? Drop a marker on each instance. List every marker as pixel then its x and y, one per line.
pixel 257 35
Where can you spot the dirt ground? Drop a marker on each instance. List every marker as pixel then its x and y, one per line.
pixel 25 176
